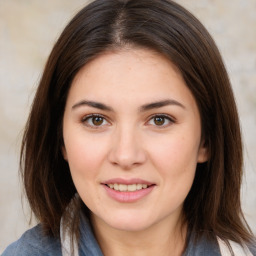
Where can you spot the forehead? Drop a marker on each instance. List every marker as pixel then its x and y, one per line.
pixel 135 74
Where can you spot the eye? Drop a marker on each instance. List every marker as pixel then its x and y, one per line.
pixel 95 121
pixel 161 120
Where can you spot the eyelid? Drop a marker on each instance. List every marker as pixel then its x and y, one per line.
pixel 86 117
pixel 171 119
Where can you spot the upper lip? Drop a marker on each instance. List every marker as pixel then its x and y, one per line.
pixel 127 181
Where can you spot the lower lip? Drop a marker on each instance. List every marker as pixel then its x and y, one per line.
pixel 128 197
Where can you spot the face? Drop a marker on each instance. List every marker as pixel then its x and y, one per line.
pixel 132 138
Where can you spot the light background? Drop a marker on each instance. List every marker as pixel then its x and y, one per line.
pixel 28 29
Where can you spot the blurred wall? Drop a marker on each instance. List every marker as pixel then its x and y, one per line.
pixel 28 29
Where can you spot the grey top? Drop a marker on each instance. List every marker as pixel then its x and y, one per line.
pixel 34 243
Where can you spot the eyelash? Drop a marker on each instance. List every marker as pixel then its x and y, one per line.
pixel 165 117
pixel 85 120
pixel 88 117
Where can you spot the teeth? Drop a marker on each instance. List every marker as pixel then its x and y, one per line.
pixel 124 187
pixel 132 187
pixel 139 186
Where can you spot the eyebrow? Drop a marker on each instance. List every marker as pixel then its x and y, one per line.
pixel 160 104
pixel 92 104
pixel 143 108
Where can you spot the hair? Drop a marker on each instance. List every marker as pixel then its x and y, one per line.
pixel 212 206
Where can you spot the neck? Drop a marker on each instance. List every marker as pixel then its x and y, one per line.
pixel 158 239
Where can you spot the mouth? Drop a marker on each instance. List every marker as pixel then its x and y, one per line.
pixel 128 188
pixel 128 191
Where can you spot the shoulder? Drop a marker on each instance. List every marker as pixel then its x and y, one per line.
pixel 252 248
pixel 207 245
pixel 202 245
pixel 238 249
pixel 33 242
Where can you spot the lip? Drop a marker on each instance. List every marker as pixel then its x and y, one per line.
pixel 128 196
pixel 127 181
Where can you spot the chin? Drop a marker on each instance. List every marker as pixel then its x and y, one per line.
pixel 129 223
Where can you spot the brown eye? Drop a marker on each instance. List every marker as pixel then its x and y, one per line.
pixel 158 120
pixel 94 121
pixel 161 121
pixel 97 120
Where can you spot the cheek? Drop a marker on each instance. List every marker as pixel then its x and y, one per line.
pixel 176 162
pixel 175 151
pixel 176 159
pixel 84 154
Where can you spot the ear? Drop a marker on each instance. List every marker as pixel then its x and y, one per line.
pixel 64 153
pixel 203 153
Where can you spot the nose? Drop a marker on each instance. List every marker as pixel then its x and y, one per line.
pixel 127 149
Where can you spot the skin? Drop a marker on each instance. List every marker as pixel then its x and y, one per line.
pixel 128 142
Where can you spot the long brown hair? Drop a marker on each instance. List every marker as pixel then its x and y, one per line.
pixel 213 205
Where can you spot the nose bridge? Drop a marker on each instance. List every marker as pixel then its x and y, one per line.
pixel 127 149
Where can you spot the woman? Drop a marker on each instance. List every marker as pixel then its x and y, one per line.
pixel 133 144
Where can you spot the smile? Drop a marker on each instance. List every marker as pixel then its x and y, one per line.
pixel 128 191
pixel 130 187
